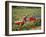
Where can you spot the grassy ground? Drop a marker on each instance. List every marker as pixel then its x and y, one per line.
pixel 19 12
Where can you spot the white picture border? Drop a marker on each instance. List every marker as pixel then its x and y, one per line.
pixel 29 31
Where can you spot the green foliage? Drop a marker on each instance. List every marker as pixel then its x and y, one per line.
pixel 38 23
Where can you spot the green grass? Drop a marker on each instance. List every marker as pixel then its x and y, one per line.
pixel 18 12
